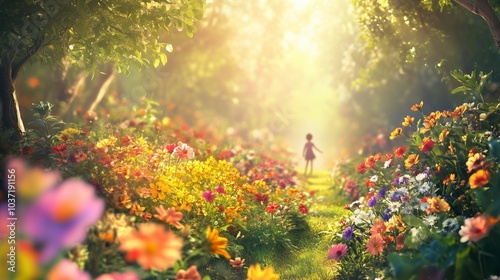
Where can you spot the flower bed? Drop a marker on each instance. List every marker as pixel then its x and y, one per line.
pixel 429 209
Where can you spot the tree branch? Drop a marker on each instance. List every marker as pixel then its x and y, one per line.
pixel 16 67
pixel 483 9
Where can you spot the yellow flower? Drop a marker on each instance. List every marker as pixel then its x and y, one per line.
pixel 443 135
pixel 157 191
pixel 408 121
pixel 430 121
pixel 411 160
pixel 256 273
pixel 396 133
pixel 217 244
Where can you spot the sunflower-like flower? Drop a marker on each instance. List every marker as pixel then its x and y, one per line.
pixel 217 244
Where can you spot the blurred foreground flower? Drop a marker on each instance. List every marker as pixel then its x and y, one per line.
pixel 217 244
pixel 128 275
pixel 152 246
pixel 190 274
pixel 59 219
pixel 65 270
pixel 474 229
pixel 255 272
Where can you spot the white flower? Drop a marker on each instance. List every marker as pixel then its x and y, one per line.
pixel 450 224
pixel 421 176
pixel 387 163
pixel 424 206
pixel 374 178
pixel 394 206
pixel 430 220
pixel 425 187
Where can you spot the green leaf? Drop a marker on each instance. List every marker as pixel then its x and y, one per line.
pixel 460 89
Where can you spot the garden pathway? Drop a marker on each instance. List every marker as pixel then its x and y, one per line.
pixel 310 262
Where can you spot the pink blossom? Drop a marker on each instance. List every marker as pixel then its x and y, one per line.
pixel 337 251
pixel 208 196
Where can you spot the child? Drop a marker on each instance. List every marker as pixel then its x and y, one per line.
pixel 308 152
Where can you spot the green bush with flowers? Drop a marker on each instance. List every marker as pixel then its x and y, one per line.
pixel 431 208
pixel 161 195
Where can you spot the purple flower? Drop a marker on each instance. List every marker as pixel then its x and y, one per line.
pixel 372 201
pixel 60 218
pixel 396 181
pixel 347 234
pixel 337 252
pixel 382 193
pixel 208 196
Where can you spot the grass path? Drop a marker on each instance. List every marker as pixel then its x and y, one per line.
pixel 310 262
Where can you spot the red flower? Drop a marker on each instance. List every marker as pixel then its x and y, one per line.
pixel 361 168
pixel 170 148
pixel 78 156
pixel 261 197
pixel 400 152
pixel 59 149
pixel 426 145
pixel 303 209
pixel 388 156
pixel 272 207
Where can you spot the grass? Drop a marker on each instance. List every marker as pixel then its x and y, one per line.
pixel 310 260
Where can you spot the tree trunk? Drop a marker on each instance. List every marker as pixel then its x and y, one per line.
pixel 10 116
pixel 483 9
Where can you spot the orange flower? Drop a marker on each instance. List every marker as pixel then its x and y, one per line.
pixel 443 135
pixel 479 179
pixel 378 228
pixel 408 121
pixel 430 121
pixel 370 162
pixel 217 244
pixel 375 245
pixel 255 272
pixel 476 228
pixel 190 274
pixel 400 241
pixel 361 168
pixel 169 216
pixel 152 247
pixel 417 107
pixel 426 145
pixel 458 112
pixel 437 205
pixel 411 160
pixel 395 133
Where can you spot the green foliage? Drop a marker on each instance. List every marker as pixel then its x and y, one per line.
pixel 89 33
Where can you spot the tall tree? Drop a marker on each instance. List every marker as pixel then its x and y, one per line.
pixel 87 33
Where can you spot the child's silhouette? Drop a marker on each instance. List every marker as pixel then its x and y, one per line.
pixel 308 152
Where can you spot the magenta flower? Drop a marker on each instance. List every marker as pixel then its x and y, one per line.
pixel 337 252
pixel 60 218
pixel 208 196
pixel 220 189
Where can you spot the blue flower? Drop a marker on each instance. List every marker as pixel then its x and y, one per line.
pixel 372 201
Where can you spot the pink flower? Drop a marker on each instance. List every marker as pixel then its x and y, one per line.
pixel 66 269
pixel 337 251
pixel 60 218
pixel 169 216
pixel 474 229
pixel 170 148
pixel 190 274
pixel 375 245
pixel 184 151
pixel 208 196
pixel 128 275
